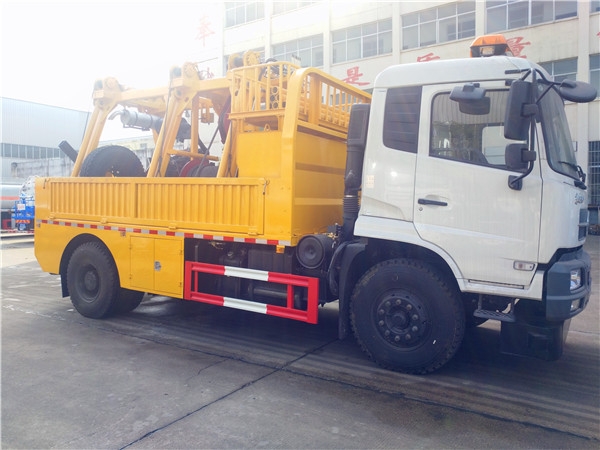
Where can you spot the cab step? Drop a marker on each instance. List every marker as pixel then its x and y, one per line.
pixel 495 315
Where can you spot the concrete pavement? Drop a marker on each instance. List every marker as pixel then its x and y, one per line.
pixel 71 382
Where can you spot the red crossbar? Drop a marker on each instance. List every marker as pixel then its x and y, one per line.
pixel 310 315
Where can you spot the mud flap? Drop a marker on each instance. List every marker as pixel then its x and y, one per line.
pixel 544 342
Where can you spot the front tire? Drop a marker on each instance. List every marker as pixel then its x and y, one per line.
pixel 407 317
pixel 93 280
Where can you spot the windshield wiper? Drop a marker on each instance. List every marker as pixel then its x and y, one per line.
pixel 581 182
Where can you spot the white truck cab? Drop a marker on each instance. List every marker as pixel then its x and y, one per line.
pixel 469 179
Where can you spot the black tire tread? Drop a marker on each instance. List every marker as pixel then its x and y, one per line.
pixel 96 252
pixel 425 270
pixel 115 159
pixel 127 300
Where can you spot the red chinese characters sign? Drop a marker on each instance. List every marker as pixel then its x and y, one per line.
pixel 354 76
pixel 517 46
pixel 204 30
pixel 428 57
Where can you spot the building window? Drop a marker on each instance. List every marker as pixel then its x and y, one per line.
pixel 560 70
pixel 283 7
pixel 595 71
pixel 237 13
pixel 594 173
pixel 595 6
pixel 29 152
pixel 434 26
pixel 308 50
pixel 362 41
pixel 509 14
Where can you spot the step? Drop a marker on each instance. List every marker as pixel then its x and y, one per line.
pixel 495 315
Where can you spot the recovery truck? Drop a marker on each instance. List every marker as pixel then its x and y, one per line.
pixel 448 197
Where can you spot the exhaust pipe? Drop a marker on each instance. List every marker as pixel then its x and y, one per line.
pixel 357 140
pixel 68 150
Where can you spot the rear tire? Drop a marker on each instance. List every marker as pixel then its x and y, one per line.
pixel 93 280
pixel 112 161
pixel 407 317
pixel 127 301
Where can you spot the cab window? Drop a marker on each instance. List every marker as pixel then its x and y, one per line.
pixel 470 138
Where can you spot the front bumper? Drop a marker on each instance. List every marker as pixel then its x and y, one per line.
pixel 562 303
pixel 543 334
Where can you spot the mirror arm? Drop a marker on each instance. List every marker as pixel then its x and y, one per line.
pixel 516 182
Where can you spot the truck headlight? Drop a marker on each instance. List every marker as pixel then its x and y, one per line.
pixel 575 279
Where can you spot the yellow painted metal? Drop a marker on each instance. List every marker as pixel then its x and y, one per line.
pixel 106 95
pixel 156 265
pixel 280 176
pixel 192 205
pixel 186 90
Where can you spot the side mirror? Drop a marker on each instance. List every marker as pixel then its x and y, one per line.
pixel 518 157
pixel 477 108
pixel 518 111
pixel 470 92
pixel 471 99
pixel 577 91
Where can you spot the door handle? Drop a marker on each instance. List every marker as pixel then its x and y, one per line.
pixel 426 201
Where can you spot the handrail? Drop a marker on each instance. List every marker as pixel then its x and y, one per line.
pixel 320 104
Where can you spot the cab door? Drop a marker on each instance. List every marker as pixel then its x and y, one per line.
pixel 463 203
pixel 390 160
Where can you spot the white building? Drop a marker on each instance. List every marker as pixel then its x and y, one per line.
pixel 29 138
pixel 355 40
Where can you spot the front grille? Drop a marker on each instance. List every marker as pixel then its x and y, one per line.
pixel 584 222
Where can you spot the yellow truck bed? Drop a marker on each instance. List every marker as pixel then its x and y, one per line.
pixel 280 176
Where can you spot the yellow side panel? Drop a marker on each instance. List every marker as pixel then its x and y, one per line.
pixel 168 266
pixel 318 190
pixel 306 184
pixel 157 265
pixel 141 272
pixel 208 205
pixel 259 154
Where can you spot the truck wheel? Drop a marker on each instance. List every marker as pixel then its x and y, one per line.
pixel 112 161
pixel 406 317
pixel 127 301
pixel 93 280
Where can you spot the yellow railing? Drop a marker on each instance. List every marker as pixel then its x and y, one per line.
pixel 265 95
pixel 259 94
pixel 325 102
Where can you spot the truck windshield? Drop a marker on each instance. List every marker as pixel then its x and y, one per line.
pixel 559 146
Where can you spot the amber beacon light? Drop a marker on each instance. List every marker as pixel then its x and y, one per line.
pixel 490 45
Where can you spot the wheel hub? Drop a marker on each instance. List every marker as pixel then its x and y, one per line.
pixel 402 319
pixel 90 281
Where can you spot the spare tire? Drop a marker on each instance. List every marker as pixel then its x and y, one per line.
pixel 112 161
